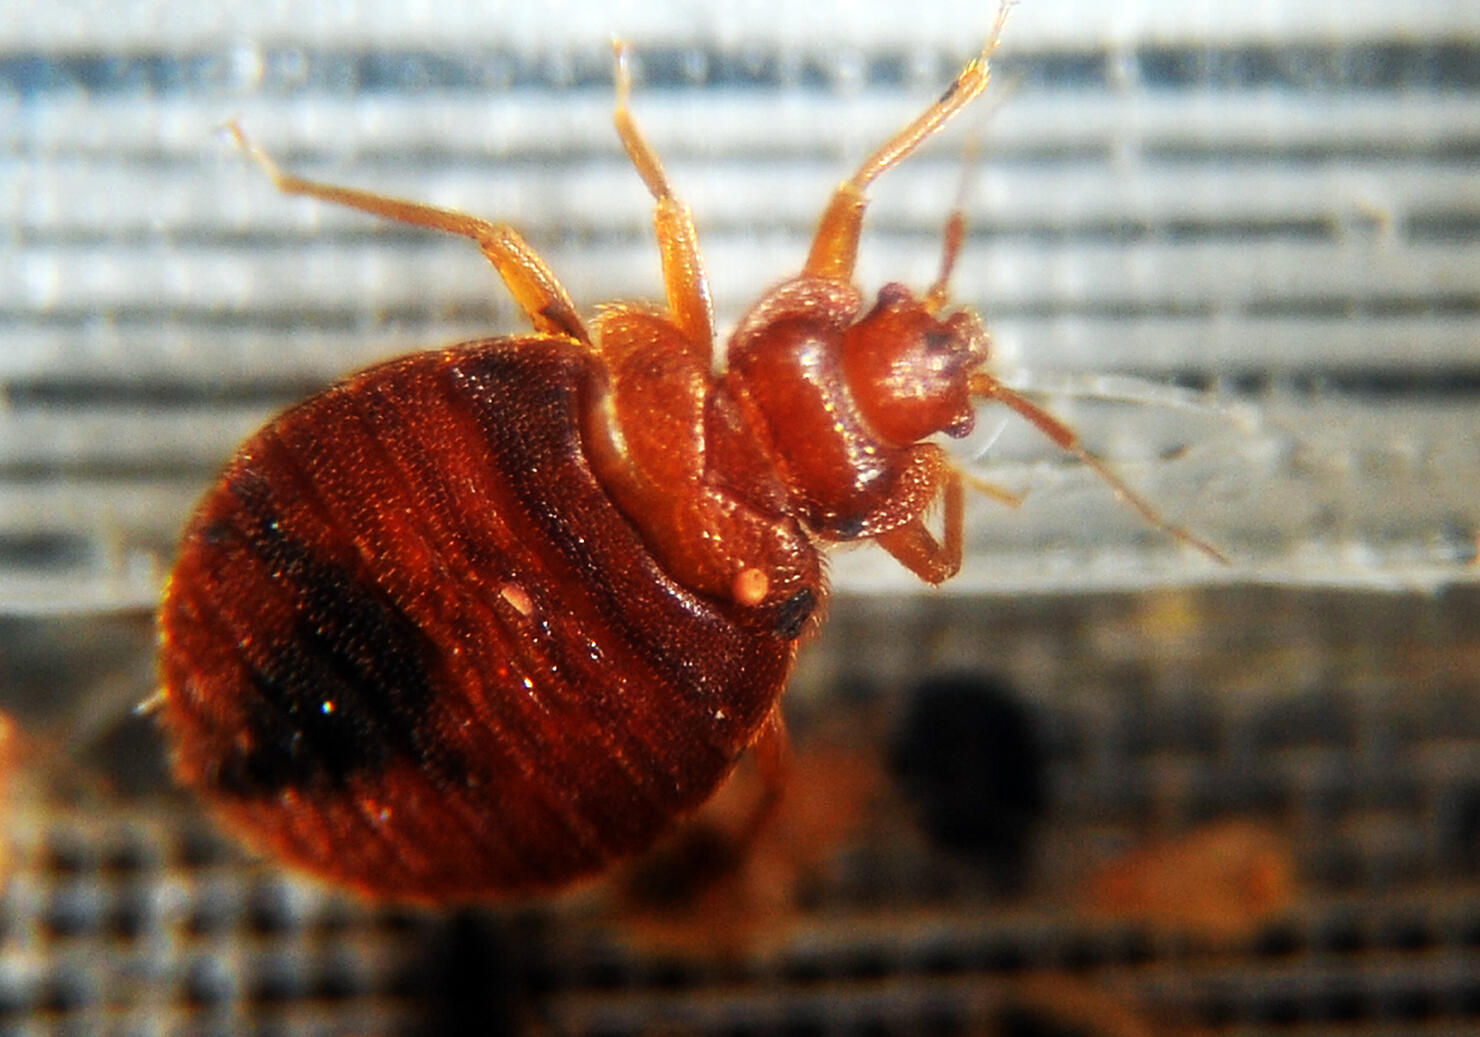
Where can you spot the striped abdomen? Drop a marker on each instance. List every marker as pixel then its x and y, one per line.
pixel 412 645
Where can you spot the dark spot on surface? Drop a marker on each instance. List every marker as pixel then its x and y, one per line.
pixel 216 533
pixel 345 693
pixel 967 755
pixel 1459 827
pixel 938 341
pixel 1029 1020
pixel 471 971
pixel 672 877
pixel 892 296
pixel 793 613
pixel 568 322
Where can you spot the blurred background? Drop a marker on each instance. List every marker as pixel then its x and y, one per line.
pixel 1096 784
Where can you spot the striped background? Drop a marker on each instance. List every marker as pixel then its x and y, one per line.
pixel 1235 244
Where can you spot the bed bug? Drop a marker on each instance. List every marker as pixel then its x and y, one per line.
pixel 478 622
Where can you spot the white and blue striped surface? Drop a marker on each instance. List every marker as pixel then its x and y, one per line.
pixel 1237 245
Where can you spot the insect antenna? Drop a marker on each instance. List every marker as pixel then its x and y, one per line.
pixel 985 386
pixel 954 233
pixel 953 236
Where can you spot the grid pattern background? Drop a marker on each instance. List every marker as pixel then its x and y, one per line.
pixel 1343 726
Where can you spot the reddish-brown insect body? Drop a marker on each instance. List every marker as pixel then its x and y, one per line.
pixel 478 622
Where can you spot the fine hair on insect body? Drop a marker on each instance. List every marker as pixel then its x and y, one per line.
pixel 478 622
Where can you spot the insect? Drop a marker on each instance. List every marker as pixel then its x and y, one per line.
pixel 479 621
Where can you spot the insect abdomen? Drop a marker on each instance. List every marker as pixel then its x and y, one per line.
pixel 411 643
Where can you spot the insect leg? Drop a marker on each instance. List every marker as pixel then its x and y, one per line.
pixel 917 549
pixel 530 281
pixel 684 280
pixel 835 247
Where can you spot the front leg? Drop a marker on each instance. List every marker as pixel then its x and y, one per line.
pixel 916 548
pixel 835 246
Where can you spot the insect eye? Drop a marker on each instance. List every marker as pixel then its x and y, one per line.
pixel 938 341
